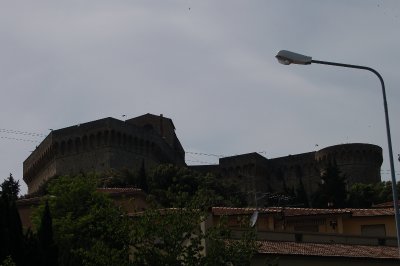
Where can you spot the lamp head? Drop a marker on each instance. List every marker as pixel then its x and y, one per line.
pixel 286 58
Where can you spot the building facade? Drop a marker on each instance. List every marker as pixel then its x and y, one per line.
pixel 306 236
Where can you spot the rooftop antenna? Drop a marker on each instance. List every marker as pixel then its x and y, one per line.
pixel 253 219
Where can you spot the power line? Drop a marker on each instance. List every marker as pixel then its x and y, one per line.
pixel 12 131
pixel 204 154
pixel 196 161
pixel 25 140
pixel 218 155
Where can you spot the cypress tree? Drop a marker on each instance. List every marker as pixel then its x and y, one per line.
pixel 31 252
pixel 11 236
pixel 3 240
pixel 332 192
pixel 48 249
pixel 10 188
pixel 301 195
pixel 142 178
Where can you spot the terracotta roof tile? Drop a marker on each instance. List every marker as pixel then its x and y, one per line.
pixel 388 204
pixel 311 211
pixel 117 189
pixel 241 211
pixel 372 212
pixel 327 250
pixel 289 211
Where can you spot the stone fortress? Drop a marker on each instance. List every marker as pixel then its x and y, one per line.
pixel 110 144
pixel 104 145
pixel 360 163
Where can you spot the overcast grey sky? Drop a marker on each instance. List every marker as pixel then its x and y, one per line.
pixel 208 65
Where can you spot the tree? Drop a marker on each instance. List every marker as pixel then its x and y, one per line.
pixel 31 250
pixel 301 195
pixel 11 234
pixel 142 178
pixel 332 190
pixel 361 195
pixel 48 248
pixel 8 262
pixel 175 237
pixel 10 188
pixel 88 227
pixel 365 195
pixel 174 186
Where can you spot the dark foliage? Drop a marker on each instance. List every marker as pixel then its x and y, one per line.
pixel 331 192
pixel 47 246
pixel 10 188
pixel 11 236
pixel 174 186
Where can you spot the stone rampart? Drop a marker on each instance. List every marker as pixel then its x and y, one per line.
pixel 98 146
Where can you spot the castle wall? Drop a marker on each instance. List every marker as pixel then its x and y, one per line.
pixel 290 170
pixel 358 162
pixel 44 174
pixel 97 146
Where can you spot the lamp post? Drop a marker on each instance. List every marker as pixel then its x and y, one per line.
pixel 287 58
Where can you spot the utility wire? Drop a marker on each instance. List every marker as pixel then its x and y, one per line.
pixel 11 131
pixel 204 154
pixel 25 140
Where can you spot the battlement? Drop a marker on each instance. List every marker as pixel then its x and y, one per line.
pixel 350 153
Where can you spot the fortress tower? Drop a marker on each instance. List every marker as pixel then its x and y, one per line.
pixel 361 163
pixel 103 145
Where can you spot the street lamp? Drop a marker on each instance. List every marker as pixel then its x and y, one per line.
pixel 287 58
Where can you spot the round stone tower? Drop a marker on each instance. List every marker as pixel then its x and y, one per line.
pixel 358 161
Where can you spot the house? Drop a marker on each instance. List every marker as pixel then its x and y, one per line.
pixel 306 236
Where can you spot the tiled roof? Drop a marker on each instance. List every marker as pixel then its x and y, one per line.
pixel 327 250
pixel 241 211
pixel 289 211
pixel 388 204
pixel 311 211
pixel 372 212
pixel 164 211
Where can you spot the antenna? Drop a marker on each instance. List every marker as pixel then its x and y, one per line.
pixel 253 219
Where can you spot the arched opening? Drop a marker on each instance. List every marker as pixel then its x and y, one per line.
pixel 105 137
pixel 91 141
pixel 84 143
pixel 98 139
pixel 78 144
pixel 119 139
pixel 69 146
pixel 62 150
pixel 112 139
